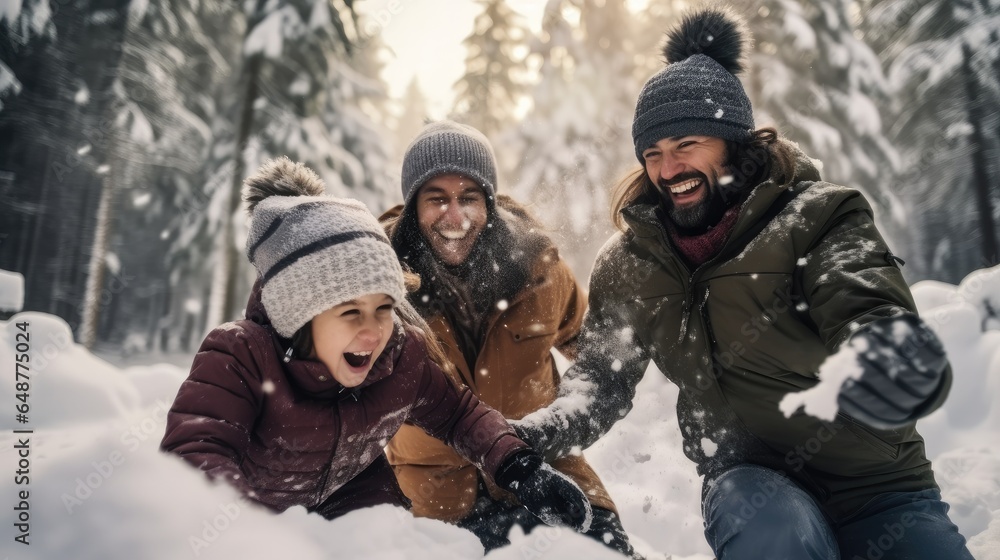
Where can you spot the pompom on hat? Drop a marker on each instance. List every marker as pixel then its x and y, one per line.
pixel 697 92
pixel 313 252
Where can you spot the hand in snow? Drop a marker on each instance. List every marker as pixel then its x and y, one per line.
pixel 546 493
pixel 903 363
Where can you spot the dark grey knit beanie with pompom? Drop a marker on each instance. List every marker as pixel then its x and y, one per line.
pixel 313 252
pixel 697 93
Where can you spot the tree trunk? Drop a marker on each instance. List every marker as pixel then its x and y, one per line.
pixel 98 259
pixel 980 163
pixel 106 54
pixel 226 275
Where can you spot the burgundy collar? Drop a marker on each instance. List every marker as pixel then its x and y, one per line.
pixel 699 249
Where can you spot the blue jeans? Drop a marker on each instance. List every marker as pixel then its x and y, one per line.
pixel 752 512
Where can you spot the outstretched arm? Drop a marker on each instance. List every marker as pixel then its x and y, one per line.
pixel 857 297
pixel 598 390
pixel 482 436
pixel 455 415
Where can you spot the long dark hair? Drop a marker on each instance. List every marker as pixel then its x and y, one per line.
pixel 498 266
pixel 750 163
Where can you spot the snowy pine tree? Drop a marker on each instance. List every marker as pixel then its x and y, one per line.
pixel 821 86
pixel 58 131
pixel 177 72
pixel 412 117
pixel 488 93
pixel 300 97
pixel 943 60
pixel 575 140
pixel 361 125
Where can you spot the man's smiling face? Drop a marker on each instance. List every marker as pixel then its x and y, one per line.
pixel 451 213
pixel 687 171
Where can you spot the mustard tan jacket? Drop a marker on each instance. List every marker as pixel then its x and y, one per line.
pixel 514 373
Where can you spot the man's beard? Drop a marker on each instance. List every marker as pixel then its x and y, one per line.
pixel 698 218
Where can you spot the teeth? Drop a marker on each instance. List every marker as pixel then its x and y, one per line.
pixel 362 354
pixel 685 186
pixel 453 235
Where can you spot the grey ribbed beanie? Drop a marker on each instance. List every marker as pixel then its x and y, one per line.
pixel 313 252
pixel 697 92
pixel 449 147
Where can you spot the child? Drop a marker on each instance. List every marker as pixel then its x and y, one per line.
pixel 294 404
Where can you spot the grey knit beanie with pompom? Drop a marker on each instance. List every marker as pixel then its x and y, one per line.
pixel 697 93
pixel 312 251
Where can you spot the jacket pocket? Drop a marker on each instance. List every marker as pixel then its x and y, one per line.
pixel 865 434
pixel 532 331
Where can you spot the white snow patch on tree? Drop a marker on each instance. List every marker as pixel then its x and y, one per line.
pixel 268 36
pixel 8 82
pixel 82 95
pixel 11 291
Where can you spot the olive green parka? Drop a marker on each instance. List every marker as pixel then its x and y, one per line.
pixel 739 333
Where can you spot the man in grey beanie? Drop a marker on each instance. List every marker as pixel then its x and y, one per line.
pixel 499 298
pixel 738 272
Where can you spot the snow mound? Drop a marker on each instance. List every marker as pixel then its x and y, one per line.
pixel 100 489
pixel 656 488
pixel 966 319
pixel 105 492
pixel 66 383
pixel 986 545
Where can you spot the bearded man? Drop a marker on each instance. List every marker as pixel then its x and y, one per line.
pixel 738 272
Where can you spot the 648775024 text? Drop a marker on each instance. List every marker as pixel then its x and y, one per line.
pixel 22 360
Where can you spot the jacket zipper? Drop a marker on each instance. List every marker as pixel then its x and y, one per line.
pixel 329 461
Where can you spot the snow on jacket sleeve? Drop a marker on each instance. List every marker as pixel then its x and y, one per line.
pixel 849 280
pixel 210 421
pixel 456 416
pixel 597 390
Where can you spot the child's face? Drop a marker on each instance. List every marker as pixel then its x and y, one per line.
pixel 349 337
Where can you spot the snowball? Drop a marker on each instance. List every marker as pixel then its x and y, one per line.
pixel 709 447
pixel 821 400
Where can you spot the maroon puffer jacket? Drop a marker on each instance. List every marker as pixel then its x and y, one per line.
pixel 287 434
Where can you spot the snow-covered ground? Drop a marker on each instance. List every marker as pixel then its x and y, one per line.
pixel 99 489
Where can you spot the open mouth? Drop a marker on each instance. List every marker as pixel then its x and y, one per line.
pixel 453 235
pixel 358 359
pixel 686 187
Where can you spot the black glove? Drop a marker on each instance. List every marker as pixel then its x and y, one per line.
pixel 903 365
pixel 547 494
pixel 523 432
